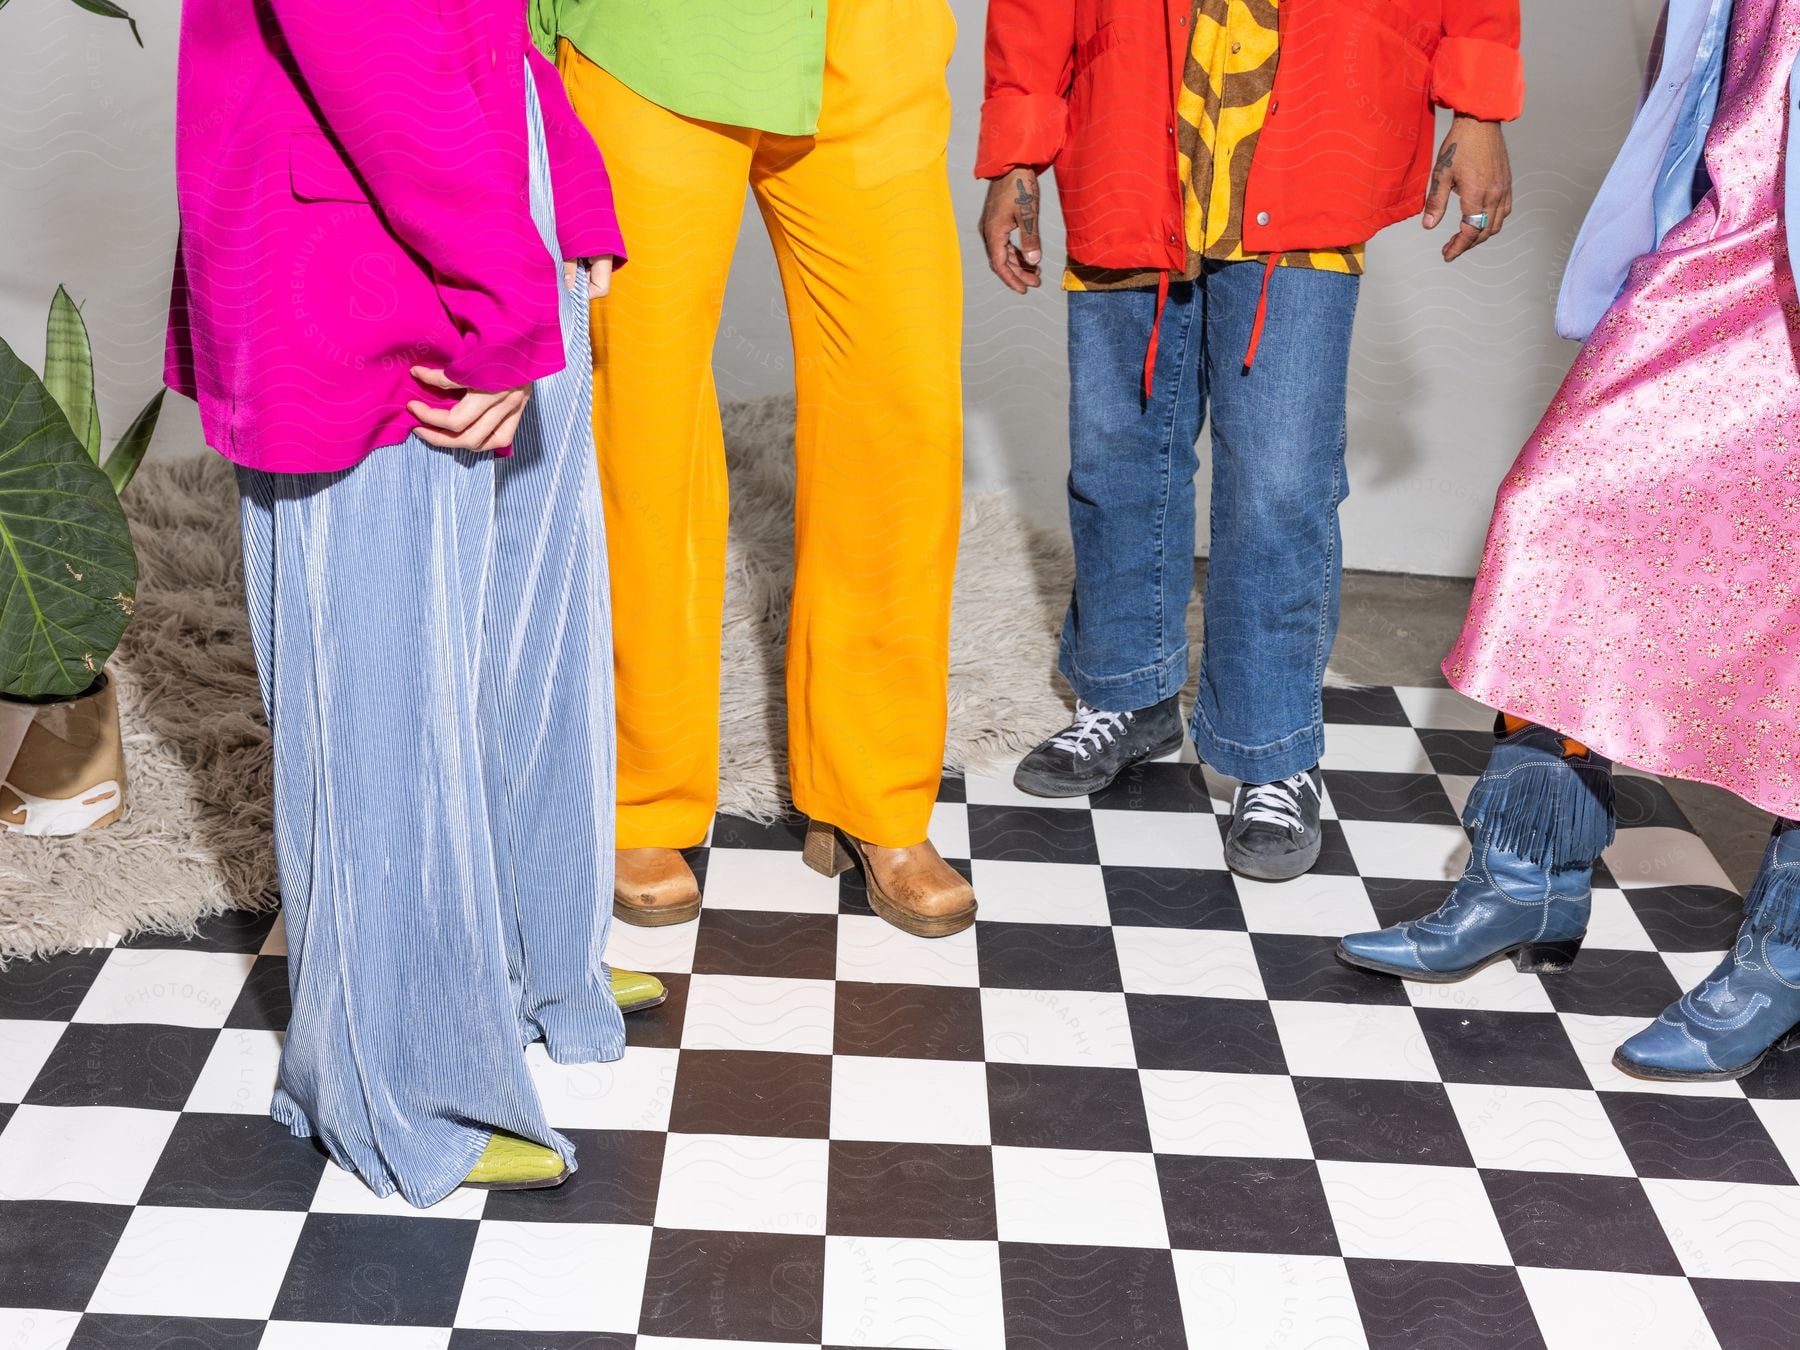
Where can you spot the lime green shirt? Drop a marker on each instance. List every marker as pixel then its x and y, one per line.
pixel 747 63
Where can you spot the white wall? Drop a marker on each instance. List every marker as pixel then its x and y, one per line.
pixel 1453 365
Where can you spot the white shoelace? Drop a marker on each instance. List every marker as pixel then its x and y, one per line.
pixel 1275 803
pixel 1102 728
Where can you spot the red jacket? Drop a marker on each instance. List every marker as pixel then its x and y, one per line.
pixel 1089 86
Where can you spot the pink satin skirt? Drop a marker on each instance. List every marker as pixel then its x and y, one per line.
pixel 1640 589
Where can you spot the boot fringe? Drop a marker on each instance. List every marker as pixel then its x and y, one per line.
pixel 1772 907
pixel 1556 814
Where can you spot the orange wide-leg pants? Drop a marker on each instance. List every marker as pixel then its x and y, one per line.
pixel 861 220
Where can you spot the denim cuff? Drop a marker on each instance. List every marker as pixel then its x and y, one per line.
pixel 1257 763
pixel 1141 688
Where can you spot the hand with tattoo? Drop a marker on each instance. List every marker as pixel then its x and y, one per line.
pixel 1012 204
pixel 1473 164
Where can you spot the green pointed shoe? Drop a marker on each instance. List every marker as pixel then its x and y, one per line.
pixel 510 1163
pixel 636 992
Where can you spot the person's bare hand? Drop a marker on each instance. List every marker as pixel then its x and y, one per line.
pixel 599 274
pixel 483 422
pixel 1472 163
pixel 1012 204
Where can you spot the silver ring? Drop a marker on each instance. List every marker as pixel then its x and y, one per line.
pixel 1479 220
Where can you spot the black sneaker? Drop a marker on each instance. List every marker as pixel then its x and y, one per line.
pixel 1097 747
pixel 1275 833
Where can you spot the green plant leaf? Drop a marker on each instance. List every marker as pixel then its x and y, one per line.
pixel 69 370
pixel 123 462
pixel 111 11
pixel 68 575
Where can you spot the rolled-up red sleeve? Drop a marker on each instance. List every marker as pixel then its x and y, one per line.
pixel 1030 60
pixel 1478 70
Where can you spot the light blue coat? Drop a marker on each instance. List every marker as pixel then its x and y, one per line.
pixel 1652 185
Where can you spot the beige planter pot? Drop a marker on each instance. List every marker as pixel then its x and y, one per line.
pixel 67 763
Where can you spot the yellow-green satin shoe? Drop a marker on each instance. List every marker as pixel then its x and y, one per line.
pixel 636 992
pixel 510 1163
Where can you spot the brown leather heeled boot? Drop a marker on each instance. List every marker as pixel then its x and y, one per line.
pixel 653 887
pixel 912 888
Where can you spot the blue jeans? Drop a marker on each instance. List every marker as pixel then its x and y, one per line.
pixel 1272 580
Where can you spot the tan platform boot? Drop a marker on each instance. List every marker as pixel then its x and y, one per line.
pixel 653 887
pixel 912 888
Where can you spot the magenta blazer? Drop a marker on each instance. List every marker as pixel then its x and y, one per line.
pixel 353 181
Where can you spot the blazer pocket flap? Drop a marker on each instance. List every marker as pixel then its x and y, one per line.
pixel 318 172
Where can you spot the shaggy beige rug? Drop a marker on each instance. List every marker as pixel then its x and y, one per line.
pixel 194 840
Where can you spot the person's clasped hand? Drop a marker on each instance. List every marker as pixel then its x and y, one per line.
pixel 479 421
pixel 486 422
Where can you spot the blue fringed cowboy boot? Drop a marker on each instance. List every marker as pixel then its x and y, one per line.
pixel 1722 1028
pixel 1540 816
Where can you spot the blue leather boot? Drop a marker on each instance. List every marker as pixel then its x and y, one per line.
pixel 1722 1028
pixel 1540 815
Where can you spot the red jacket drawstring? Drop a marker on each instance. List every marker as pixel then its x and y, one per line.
pixel 1256 328
pixel 1162 298
pixel 1262 310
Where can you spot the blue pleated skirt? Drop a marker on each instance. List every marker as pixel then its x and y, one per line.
pixel 432 631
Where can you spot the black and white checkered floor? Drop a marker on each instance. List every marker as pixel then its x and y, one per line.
pixel 1139 1105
